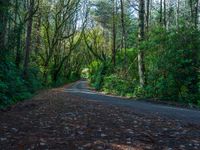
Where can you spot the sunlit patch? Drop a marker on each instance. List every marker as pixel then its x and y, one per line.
pixel 85 73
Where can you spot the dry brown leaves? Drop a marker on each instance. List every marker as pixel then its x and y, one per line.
pixel 55 120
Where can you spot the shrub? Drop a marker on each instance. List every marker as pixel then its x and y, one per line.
pixel 172 59
pixel 117 85
pixel 13 87
pixel 96 74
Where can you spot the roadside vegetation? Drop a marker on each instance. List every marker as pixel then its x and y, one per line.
pixel 169 66
pixel 156 54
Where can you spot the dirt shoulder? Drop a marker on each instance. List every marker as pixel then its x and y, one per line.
pixel 56 120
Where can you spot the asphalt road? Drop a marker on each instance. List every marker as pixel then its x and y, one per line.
pixel 182 114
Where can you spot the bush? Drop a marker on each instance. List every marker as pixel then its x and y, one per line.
pixel 172 59
pixel 117 85
pixel 13 87
pixel 96 74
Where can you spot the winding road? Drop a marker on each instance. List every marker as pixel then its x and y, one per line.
pixel 76 118
pixel 81 89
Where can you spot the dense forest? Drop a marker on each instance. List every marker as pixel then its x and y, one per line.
pixel 134 48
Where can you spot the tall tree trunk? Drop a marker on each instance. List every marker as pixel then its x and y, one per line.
pixel 150 12
pixel 177 13
pixel 161 11
pixel 194 12
pixel 28 39
pixel 18 51
pixel 114 35
pixel 38 26
pixel 3 24
pixel 196 7
pixel 191 11
pixel 123 32
pixel 147 14
pixel 165 15
pixel 18 32
pixel 141 66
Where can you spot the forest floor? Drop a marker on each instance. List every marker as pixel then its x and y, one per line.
pixel 57 120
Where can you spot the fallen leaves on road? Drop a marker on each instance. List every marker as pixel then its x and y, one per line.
pixel 55 120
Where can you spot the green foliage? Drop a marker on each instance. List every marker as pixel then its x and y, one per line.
pixel 71 77
pixel 97 71
pixel 115 84
pixel 34 83
pixel 12 87
pixel 172 62
pixel 103 76
pixel 85 73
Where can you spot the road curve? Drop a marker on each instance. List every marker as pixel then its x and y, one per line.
pixel 185 115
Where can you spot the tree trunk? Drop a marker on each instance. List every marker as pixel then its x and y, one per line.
pixel 165 15
pixel 161 11
pixel 196 7
pixel 38 28
pixel 194 12
pixel 147 14
pixel 150 12
pixel 177 13
pixel 141 66
pixel 114 35
pixel 123 32
pixel 3 24
pixel 18 51
pixel 28 39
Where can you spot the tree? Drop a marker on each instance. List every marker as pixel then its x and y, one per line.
pixel 161 12
pixel 28 38
pixel 114 32
pixel 3 24
pixel 141 36
pixel 165 15
pixel 123 31
pixel 177 13
pixel 147 14
pixel 60 25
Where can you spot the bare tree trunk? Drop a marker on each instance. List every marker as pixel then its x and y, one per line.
pixel 165 15
pixel 177 13
pixel 161 11
pixel 38 26
pixel 114 36
pixel 28 39
pixel 141 66
pixel 123 32
pixel 191 11
pixel 150 12
pixel 147 15
pixel 18 51
pixel 194 12
pixel 196 7
pixel 3 24
pixel 18 30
